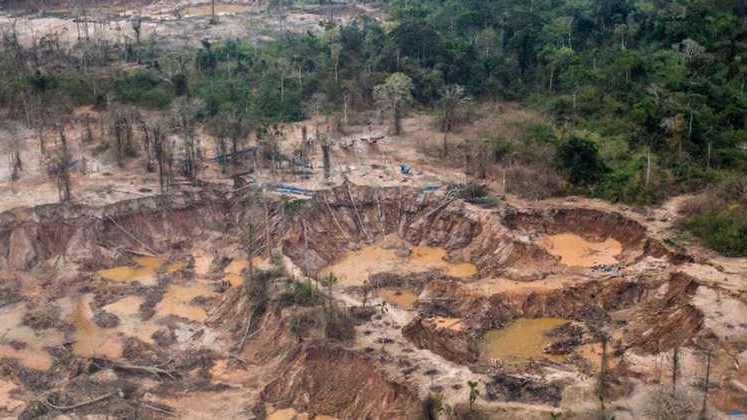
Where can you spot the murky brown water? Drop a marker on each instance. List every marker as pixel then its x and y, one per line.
pixel 355 268
pixel 176 301
pixel 128 311
pixel 233 271
pixel 401 298
pixel 574 250
pixel 90 340
pixel 33 355
pixel 522 340
pixel 143 272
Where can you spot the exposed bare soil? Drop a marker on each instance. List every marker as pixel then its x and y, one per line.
pixel 89 317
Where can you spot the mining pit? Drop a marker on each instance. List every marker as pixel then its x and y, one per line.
pixel 220 303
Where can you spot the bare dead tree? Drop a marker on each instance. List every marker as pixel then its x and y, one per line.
pixel 185 117
pixel 163 155
pixel 323 141
pixel 147 146
pixel 59 167
pixel 704 408
pixel 303 150
pixel 675 367
pixel 10 141
pixel 239 129
pixel 213 18
pixel 122 131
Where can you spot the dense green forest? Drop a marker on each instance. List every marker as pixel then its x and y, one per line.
pixel 645 99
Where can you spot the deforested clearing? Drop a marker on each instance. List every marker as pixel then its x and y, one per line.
pixel 373 209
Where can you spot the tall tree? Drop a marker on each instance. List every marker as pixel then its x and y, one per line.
pixel 393 96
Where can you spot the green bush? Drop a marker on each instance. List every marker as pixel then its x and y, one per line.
pixel 303 293
pixel 725 232
pixel 301 324
pixel 581 161
pixel 144 89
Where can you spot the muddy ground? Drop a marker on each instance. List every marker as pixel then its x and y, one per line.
pixel 150 307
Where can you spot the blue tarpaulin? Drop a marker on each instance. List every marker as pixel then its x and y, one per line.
pixel 404 169
pixel 245 154
pixel 290 190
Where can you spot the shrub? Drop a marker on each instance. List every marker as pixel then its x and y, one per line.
pixel 338 324
pixel 301 324
pixel 719 217
pixel 580 159
pixel 144 89
pixel 725 232
pixel 303 294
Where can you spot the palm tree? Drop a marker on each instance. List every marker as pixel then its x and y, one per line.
pixel 453 102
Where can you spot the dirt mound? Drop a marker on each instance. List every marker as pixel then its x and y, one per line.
pixel 457 345
pixel 572 302
pixel 341 383
pixel 523 389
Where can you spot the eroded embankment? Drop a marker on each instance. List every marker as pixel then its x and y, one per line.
pixel 90 235
pixel 339 219
pixel 500 241
pixel 598 225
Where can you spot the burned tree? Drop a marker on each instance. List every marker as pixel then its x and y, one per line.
pixel 323 141
pixel 123 120
pixel 11 144
pixel 270 139
pixel 239 128
pixel 59 167
pixel 147 146
pixel 163 154
pixel 186 113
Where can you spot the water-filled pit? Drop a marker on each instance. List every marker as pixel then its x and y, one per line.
pixel 355 268
pixel 573 250
pixel 519 341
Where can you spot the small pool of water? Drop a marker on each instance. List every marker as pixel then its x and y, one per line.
pixel 521 340
pixel 233 273
pixel 442 322
pixel 177 301
pixel 144 271
pixel 127 310
pixel 32 355
pixel 355 268
pixel 401 298
pixel 574 250
pixel 91 340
